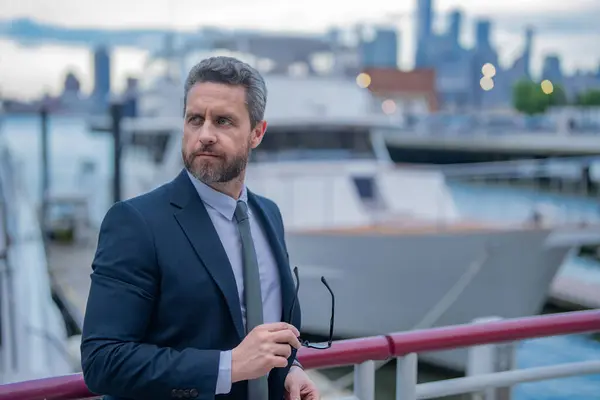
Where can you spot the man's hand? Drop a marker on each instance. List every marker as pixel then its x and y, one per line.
pixel 298 386
pixel 267 346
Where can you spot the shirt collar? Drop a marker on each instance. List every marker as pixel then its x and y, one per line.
pixel 221 202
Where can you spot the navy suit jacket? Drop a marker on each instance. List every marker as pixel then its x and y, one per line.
pixel 163 301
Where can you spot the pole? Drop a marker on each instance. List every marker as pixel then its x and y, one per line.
pixel 45 168
pixel 116 111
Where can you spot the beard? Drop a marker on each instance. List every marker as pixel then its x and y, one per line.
pixel 219 169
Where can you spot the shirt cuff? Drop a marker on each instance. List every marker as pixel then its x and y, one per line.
pixel 224 377
pixel 297 364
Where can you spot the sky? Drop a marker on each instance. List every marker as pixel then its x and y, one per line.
pixel 569 28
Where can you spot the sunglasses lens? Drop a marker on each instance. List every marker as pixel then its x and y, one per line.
pixel 319 346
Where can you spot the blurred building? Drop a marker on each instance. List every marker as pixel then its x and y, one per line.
pixel 551 69
pixel 102 76
pixel 424 19
pixel 381 50
pixel 130 97
pixel 71 99
pixel 402 94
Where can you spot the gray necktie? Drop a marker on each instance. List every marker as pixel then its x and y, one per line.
pixel 258 389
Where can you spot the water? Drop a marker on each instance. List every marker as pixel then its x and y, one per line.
pixel 71 146
pixel 505 203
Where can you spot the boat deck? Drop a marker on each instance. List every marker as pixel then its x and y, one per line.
pixel 544 144
pixel 409 228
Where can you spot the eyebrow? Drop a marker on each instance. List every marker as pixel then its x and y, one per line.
pixel 224 114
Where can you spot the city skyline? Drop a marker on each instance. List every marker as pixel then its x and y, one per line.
pixel 566 31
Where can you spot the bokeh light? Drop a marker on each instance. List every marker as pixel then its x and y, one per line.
pixel 388 106
pixel 488 70
pixel 363 80
pixel 486 83
pixel 547 87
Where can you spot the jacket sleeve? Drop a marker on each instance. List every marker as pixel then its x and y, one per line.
pixel 124 287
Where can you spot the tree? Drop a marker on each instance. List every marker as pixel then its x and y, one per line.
pixel 558 97
pixel 530 99
pixel 591 98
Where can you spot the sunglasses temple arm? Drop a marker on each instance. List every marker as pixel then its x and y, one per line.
pixel 297 289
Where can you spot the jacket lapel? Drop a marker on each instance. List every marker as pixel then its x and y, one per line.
pixel 276 240
pixel 193 218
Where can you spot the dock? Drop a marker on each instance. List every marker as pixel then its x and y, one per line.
pixel 70 268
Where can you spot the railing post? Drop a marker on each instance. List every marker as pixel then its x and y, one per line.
pixel 406 377
pixel 489 359
pixel 364 380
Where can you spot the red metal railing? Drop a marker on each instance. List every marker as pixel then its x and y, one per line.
pixel 356 351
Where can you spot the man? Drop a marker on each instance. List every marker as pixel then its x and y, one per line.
pixel 191 282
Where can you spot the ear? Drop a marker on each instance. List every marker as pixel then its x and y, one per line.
pixel 258 133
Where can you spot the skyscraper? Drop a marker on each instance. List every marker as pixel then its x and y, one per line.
pixel 424 31
pixel 482 34
pixel 382 51
pixel 551 69
pixel 101 92
pixel 455 25
pixel 527 50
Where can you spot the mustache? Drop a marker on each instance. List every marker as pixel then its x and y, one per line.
pixel 206 151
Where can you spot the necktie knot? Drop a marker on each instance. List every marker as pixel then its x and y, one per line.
pixel 241 211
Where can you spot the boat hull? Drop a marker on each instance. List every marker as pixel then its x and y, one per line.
pixel 393 283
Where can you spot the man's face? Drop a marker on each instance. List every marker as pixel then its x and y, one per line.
pixel 217 133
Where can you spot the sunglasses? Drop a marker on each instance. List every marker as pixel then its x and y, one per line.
pixel 306 343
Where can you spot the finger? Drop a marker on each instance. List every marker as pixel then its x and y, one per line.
pixel 280 326
pixel 282 350
pixel 278 362
pixel 313 394
pixel 294 391
pixel 286 337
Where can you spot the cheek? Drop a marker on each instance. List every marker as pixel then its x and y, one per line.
pixel 188 141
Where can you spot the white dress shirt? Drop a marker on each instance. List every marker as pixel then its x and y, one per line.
pixel 221 209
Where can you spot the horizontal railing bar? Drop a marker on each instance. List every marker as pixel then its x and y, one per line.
pixel 477 383
pixel 357 351
pixel 452 337
pixel 347 352
pixel 66 387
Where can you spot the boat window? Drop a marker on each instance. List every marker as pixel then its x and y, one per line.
pixel 317 143
pixel 365 187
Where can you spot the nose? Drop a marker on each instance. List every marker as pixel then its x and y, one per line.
pixel 206 134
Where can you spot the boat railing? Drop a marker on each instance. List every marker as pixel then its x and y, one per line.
pixel 490 371
pixel 565 167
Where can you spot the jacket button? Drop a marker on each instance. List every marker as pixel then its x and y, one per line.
pixel 174 393
pixel 193 393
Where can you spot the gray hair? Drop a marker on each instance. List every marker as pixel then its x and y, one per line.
pixel 231 71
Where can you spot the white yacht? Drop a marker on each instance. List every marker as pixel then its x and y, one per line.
pixel 34 341
pixel 389 239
